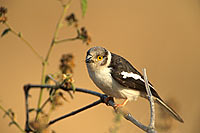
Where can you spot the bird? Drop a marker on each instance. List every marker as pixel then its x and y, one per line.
pixel 117 78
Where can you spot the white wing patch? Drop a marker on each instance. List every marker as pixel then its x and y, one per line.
pixel 131 75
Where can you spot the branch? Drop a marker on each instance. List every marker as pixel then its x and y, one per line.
pixel 151 101
pixel 75 112
pixel 103 99
pixel 66 40
pixel 26 93
pixel 128 116
pixel 19 35
pixel 10 114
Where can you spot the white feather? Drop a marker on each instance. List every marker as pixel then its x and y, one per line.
pixel 131 75
pixel 130 94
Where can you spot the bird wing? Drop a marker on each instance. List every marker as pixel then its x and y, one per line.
pixel 132 78
pixel 119 65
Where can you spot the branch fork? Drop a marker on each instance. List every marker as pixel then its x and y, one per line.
pixel 103 99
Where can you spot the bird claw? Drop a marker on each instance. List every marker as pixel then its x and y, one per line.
pixel 106 100
pixel 116 106
pixel 120 105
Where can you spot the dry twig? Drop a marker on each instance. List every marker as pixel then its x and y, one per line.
pixel 103 99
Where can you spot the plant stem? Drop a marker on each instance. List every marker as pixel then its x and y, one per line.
pixel 45 103
pixel 66 40
pixel 18 34
pixel 13 121
pixel 58 26
pixel 44 65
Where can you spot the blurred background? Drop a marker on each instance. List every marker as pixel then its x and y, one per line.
pixel 162 36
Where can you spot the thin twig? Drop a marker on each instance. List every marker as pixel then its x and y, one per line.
pixel 49 75
pixel 26 93
pixel 151 101
pixel 44 65
pixel 58 26
pixel 76 111
pixel 66 40
pixel 19 35
pixel 45 103
pixel 12 119
pixel 128 116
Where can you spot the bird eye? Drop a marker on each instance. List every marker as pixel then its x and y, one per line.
pixel 99 58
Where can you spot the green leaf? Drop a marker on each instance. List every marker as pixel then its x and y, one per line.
pixel 5 32
pixel 46 79
pixel 83 7
pixel 20 34
pixel 5 114
pixel 73 88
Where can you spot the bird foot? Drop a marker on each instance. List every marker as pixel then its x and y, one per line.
pixel 108 99
pixel 121 105
pixel 118 106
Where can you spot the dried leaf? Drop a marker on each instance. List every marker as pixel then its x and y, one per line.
pixel 11 123
pixel 5 32
pixel 30 110
pixel 53 131
pixel 62 96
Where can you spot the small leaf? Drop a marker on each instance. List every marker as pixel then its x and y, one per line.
pixel 11 123
pixel 73 88
pixel 63 97
pixel 30 110
pixel 53 131
pixel 20 34
pixel 47 79
pixel 83 7
pixel 5 32
pixel 5 114
pixel 70 94
pixel 52 92
pixel 9 110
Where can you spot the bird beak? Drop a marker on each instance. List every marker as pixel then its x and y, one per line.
pixel 89 59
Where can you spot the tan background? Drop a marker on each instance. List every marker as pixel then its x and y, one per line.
pixel 163 36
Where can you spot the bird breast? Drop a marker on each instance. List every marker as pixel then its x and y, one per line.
pixel 103 80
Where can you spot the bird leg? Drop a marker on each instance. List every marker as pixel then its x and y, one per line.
pixel 108 99
pixel 122 104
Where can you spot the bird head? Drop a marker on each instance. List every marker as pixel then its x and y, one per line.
pixel 97 57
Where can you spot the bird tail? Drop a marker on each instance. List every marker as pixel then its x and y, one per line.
pixel 169 109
